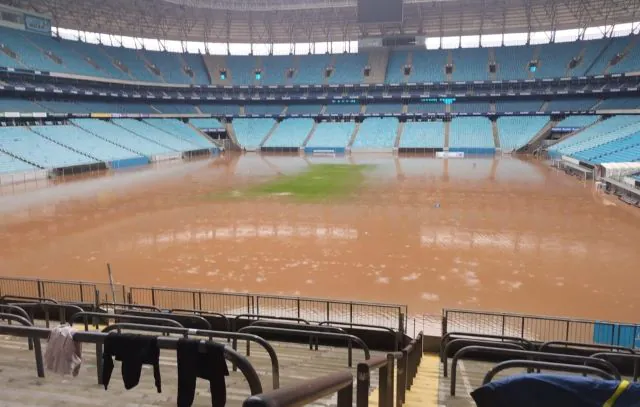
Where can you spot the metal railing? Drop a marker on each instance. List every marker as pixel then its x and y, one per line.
pixel 308 333
pixel 530 327
pixel 307 392
pixel 536 364
pixel 392 316
pixel 449 336
pixel 409 359
pixel 34 343
pixel 385 366
pixel 101 316
pixel 98 338
pixel 533 356
pixel 275 365
pixel 462 343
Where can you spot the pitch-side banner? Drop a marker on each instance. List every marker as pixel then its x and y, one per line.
pixel 449 154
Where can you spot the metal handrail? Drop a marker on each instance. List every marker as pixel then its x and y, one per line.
pixel 227 324
pixel 276 324
pixel 262 317
pixel 6 298
pixel 275 365
pixel 199 319
pixel 307 392
pixel 98 338
pixel 121 317
pixel 471 342
pixel 574 345
pixel 393 332
pixel 635 358
pixel 384 364
pixel 46 306
pixel 526 353
pixel 36 341
pixel 19 310
pixel 445 338
pixel 299 332
pixel 536 364
pixel 128 306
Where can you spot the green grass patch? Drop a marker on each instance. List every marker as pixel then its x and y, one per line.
pixel 319 182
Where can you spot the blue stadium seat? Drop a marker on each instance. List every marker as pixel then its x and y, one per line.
pixel 349 108
pixel 207 124
pixel 512 62
pixel 422 135
pixel 156 135
pixel 470 107
pixel 472 133
pixel 571 105
pixel 182 131
pixel 332 135
pixel 251 132
pixel 395 67
pixel 518 105
pixel 31 147
pixel 578 121
pixel 470 64
pixel 290 133
pixel 429 66
pixel 263 109
pixel 427 108
pixel 376 133
pixel 517 131
pixel 122 137
pixel 349 68
pixel 275 68
pixel 9 164
pixel 304 109
pixel 382 108
pixel 554 59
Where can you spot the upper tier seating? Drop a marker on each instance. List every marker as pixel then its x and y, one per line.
pixel 578 121
pixel 11 164
pixel 350 108
pixel 304 109
pixel 263 109
pixel 181 130
pixel 422 135
pixel 471 132
pixel 382 108
pixel 518 105
pixel 571 104
pixel 177 108
pixel 512 62
pixel 427 107
pixel 120 136
pixel 470 64
pixel 251 132
pixel 620 103
pixel 207 124
pixel 222 109
pixel 29 146
pixel 311 69
pixel 290 133
pixel 429 66
pixel 349 68
pixel 517 131
pixel 600 133
pixel 377 133
pixel 593 58
pixel 158 136
pixel 78 139
pixel 470 107
pixel 20 105
pixel 332 134
pixel 554 59
pixel 395 67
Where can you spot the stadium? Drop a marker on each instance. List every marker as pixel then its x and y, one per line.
pixel 392 202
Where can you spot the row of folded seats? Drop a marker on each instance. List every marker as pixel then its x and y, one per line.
pixel 21 49
pixel 91 141
pixel 462 106
pixel 614 139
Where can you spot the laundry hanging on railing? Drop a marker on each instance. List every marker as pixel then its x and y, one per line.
pixel 133 351
pixel 63 354
pixel 204 360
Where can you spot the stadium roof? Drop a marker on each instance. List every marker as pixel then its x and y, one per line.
pixel 288 21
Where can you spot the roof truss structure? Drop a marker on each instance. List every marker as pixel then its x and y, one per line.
pixel 289 21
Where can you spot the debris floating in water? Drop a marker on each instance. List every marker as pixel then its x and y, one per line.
pixel 436 205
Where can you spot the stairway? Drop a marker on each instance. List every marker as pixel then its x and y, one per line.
pixel 396 143
pixel 354 135
pixel 273 129
pixel 447 126
pixel 313 130
pixel 424 392
pixel 496 135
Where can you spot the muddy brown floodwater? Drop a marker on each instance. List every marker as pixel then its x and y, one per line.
pixel 504 234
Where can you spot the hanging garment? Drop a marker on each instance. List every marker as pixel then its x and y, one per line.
pixel 63 354
pixel 133 351
pixel 204 360
pixel 542 390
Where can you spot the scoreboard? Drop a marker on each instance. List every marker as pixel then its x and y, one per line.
pixel 379 11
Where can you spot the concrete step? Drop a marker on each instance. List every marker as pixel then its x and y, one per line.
pixel 424 391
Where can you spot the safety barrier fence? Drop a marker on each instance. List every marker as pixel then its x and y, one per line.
pixel 312 309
